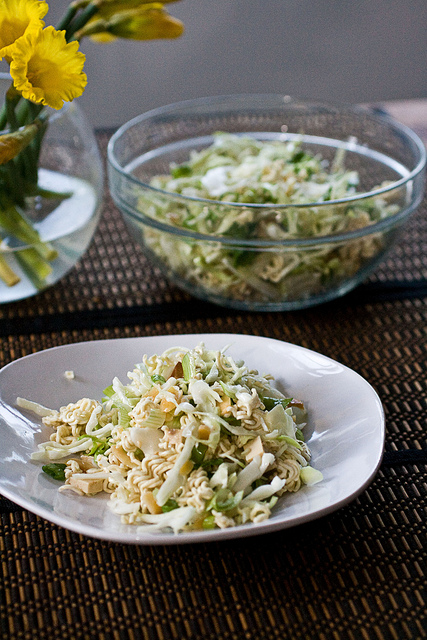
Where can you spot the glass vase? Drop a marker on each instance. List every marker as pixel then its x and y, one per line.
pixel 64 214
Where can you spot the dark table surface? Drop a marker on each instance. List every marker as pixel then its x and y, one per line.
pixel 358 573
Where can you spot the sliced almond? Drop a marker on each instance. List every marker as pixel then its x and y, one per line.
pixel 149 501
pixel 224 405
pixel 178 371
pixel 253 448
pixel 203 432
pixel 186 468
pixel 297 403
pixel 121 455
pixel 87 462
pixel 166 405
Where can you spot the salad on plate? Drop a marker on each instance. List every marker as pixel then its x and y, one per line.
pixel 194 441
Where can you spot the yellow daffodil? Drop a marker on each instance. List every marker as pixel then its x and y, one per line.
pixel 17 19
pixel 106 9
pixel 47 70
pixel 148 22
pixel 151 22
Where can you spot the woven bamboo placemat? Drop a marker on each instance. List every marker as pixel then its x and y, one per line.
pixel 358 573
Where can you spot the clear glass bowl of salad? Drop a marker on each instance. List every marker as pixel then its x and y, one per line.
pixel 264 202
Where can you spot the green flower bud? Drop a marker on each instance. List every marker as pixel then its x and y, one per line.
pixel 148 22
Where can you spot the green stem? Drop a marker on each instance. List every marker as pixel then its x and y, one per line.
pixel 31 153
pixel 14 180
pixel 48 194
pixel 36 268
pixel 80 20
pixel 67 18
pixel 27 111
pixel 36 144
pixel 12 99
pixel 10 184
pixel 7 274
pixel 28 166
pixel 4 112
pixel 12 221
pixel 3 117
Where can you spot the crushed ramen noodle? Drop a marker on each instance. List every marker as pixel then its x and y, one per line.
pixel 196 440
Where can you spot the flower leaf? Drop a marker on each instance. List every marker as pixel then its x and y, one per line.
pixel 13 143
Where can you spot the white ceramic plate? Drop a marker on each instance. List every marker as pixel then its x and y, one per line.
pixel 346 429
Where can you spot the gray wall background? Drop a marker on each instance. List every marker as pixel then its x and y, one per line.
pixel 338 50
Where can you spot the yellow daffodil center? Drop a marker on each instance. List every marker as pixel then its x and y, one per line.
pixel 43 74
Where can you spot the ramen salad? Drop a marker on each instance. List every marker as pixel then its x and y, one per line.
pixel 196 440
pixel 282 178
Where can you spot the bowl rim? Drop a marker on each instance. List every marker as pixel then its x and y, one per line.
pixel 375 114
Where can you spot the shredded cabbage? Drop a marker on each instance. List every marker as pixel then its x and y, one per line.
pixel 248 171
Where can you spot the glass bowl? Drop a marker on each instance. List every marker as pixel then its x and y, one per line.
pixel 287 256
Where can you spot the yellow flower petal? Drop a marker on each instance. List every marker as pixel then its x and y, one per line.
pixel 47 70
pixel 102 38
pixel 118 19
pixel 150 22
pixel 12 143
pixel 107 8
pixel 17 19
